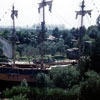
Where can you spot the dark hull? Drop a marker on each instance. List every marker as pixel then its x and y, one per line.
pixel 14 76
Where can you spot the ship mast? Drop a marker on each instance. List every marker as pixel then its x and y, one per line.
pixel 43 28
pixel 82 13
pixel 43 23
pixel 13 37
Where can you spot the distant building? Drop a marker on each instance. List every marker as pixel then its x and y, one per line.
pixel 51 38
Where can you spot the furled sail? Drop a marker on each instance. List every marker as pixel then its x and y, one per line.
pixel 7 47
pixel 41 5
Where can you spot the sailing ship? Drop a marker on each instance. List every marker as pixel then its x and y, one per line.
pixel 76 53
pixel 12 72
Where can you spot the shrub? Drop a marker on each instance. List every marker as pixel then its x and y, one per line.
pixel 24 83
pixel 47 94
pixel 65 77
pixel 42 80
pixel 74 93
pixel 90 90
pixel 84 65
pixel 56 94
pixel 19 97
pixel 8 93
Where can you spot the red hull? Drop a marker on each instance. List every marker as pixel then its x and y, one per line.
pixel 16 78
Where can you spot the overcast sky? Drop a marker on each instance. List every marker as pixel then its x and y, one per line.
pixel 63 12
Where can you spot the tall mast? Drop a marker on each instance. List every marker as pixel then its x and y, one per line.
pixel 44 12
pixel 43 28
pixel 82 6
pixel 82 13
pixel 13 38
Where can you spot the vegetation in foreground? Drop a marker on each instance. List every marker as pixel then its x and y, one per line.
pixel 82 89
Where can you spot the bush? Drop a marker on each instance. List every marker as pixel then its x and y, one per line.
pixel 74 93
pixel 56 94
pixel 84 65
pixel 42 80
pixel 65 77
pixel 15 91
pixel 90 90
pixel 47 94
pixel 60 94
pixel 95 55
pixel 24 83
pixel 19 97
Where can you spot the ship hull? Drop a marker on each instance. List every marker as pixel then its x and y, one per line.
pixel 16 75
pixel 7 81
pixel 17 78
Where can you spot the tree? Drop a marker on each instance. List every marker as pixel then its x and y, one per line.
pixel 42 80
pixel 95 55
pixel 61 47
pixel 65 77
pixel 56 33
pixel 20 49
pixel 92 31
pixel 30 52
pixel 91 58
pixel 67 37
pixel 6 34
pixel 90 89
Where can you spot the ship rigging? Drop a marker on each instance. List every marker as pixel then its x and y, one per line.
pixel 82 13
pixel 14 13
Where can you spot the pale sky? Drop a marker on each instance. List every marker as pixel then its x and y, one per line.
pixel 63 12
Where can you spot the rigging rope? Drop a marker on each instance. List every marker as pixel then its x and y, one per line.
pixel 3 16
pixel 78 22
pixel 88 20
pixel 95 6
pixel 59 17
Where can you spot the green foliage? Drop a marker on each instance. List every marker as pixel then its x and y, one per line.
pixel 15 91
pixel 56 94
pixel 90 89
pixel 56 33
pixel 91 58
pixel 67 37
pixel 6 34
pixel 51 94
pixel 19 97
pixel 86 90
pixel 20 49
pixel 87 48
pixel 42 80
pixel 43 48
pixel 93 31
pixel 95 55
pixel 24 83
pixel 84 65
pixel 65 77
pixel 74 92
pixel 61 47
pixel 86 37
pixel 79 32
